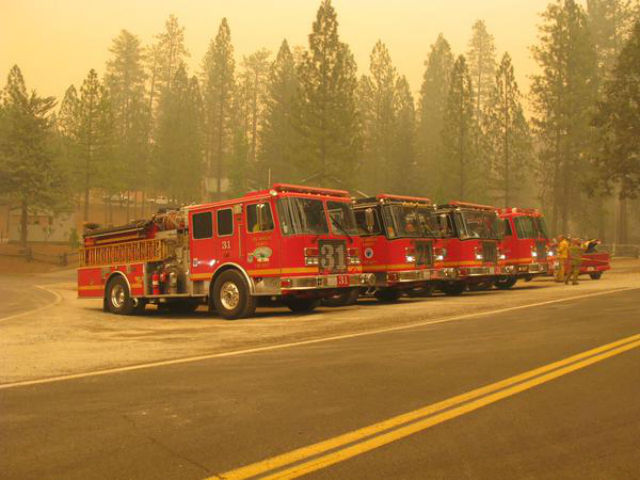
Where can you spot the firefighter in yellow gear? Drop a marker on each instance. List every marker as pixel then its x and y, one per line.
pixel 575 259
pixel 563 255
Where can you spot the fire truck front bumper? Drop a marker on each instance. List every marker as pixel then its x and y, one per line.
pixel 387 279
pixel 460 273
pixel 278 285
pixel 527 269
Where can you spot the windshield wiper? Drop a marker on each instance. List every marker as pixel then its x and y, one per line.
pixel 339 225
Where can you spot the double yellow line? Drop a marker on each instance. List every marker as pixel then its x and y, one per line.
pixel 302 461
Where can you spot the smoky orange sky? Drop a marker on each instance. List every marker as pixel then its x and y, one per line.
pixel 56 42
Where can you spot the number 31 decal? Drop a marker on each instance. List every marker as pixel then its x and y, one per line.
pixel 226 244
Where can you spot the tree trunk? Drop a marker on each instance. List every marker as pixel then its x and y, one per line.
pixel 24 224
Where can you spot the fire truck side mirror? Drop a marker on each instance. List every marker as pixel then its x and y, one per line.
pixel 369 217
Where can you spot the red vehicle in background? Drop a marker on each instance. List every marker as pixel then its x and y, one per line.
pixel 295 244
pixel 398 234
pixel 524 248
pixel 594 263
pixel 466 252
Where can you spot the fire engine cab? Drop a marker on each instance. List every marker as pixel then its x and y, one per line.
pixel 523 249
pixel 466 250
pixel 295 244
pixel 398 234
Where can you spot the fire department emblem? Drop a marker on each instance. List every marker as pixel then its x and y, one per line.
pixel 260 254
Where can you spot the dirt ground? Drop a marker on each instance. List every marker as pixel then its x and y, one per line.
pixel 72 336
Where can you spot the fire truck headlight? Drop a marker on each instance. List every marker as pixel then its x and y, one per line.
pixel 410 258
pixel 550 253
pixel 534 253
pixel 503 256
pixel 311 261
pixel 479 256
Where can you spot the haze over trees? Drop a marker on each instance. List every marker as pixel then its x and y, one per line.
pixel 145 126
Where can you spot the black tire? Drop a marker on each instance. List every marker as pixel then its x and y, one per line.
pixel 505 282
pixel 453 289
pixel 118 297
pixel 302 305
pixel 387 296
pixel 343 299
pixel 231 296
pixel 596 275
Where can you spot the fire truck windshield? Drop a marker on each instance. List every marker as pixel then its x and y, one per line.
pixel 409 221
pixel 342 218
pixel 526 227
pixel 479 224
pixel 299 215
pixel 541 227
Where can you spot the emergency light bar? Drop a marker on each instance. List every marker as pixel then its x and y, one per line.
pixel 518 210
pixel 403 198
pixel 286 187
pixel 477 206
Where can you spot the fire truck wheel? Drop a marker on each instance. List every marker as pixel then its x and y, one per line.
pixel 387 296
pixel 505 283
pixel 342 299
pixel 231 296
pixel 595 276
pixel 119 299
pixel 453 289
pixel 302 305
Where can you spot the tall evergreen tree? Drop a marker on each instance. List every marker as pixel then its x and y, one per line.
pixel 402 176
pixel 254 79
pixel 507 134
pixel 29 174
pixel 431 111
pixel 329 121
pixel 481 58
pixel 125 80
pixel 218 87
pixel 460 168
pixel 563 99
pixel 618 158
pixel 88 135
pixel 378 104
pixel 178 148
pixel 279 135
pixel 67 121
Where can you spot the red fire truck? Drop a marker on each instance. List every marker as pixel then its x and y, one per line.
pixel 295 244
pixel 466 251
pixel 523 250
pixel 398 234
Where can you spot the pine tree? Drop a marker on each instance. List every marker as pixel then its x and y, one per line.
pixel 402 176
pixel 254 78
pixel 482 64
pixel 88 135
pixel 178 154
pixel 563 99
pixel 67 122
pixel 507 134
pixel 279 135
pixel 431 111
pixel 618 158
pixel 329 124
pixel 29 174
pixel 378 105
pixel 218 87
pixel 125 80
pixel 460 167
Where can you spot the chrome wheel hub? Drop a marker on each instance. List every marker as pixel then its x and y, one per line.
pixel 229 295
pixel 118 296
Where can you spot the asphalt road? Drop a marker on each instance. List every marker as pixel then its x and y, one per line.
pixel 200 419
pixel 18 295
